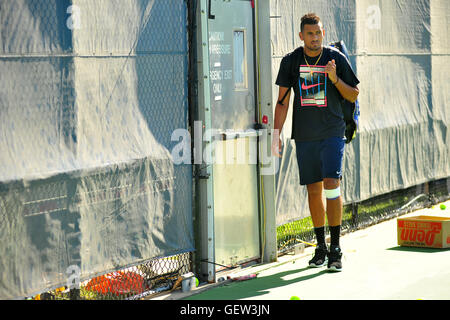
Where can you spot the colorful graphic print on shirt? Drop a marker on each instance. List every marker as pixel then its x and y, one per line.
pixel 313 86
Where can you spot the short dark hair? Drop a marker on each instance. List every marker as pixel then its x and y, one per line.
pixel 309 18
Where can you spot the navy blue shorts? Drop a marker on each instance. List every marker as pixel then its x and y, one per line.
pixel 320 159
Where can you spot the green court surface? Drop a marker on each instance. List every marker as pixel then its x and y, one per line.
pixel 374 268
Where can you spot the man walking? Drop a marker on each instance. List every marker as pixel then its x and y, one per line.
pixel 321 77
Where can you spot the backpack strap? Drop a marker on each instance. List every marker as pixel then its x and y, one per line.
pixel 284 97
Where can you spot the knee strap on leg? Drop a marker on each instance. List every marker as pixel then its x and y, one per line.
pixel 333 194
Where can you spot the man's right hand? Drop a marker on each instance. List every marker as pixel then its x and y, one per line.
pixel 276 146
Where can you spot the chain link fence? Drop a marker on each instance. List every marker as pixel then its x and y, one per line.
pixel 133 283
pixel 92 92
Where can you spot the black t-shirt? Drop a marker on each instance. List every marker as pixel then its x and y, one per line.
pixel 317 102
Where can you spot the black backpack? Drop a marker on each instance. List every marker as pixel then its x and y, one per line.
pixel 349 109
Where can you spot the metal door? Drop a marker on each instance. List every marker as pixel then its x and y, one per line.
pixel 232 100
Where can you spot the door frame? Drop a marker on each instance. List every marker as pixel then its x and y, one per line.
pixel 204 191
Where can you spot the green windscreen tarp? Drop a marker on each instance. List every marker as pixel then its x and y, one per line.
pixel 90 94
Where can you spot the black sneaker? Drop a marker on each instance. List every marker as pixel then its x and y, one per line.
pixel 334 259
pixel 320 257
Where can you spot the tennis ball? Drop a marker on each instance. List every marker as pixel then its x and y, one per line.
pixel 196 282
pixel 295 298
pixel 442 206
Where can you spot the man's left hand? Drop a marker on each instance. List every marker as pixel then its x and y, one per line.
pixel 330 69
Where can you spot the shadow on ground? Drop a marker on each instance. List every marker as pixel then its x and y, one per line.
pixel 254 287
pixel 418 249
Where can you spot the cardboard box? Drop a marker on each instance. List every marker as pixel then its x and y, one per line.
pixel 424 231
